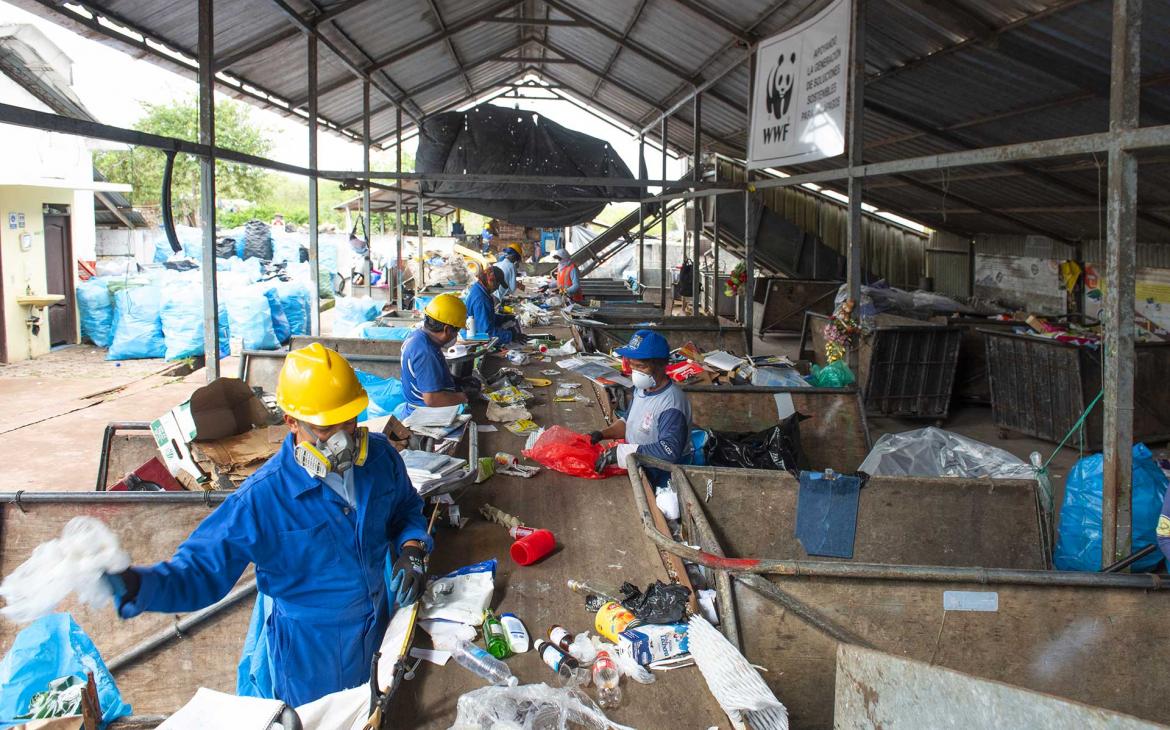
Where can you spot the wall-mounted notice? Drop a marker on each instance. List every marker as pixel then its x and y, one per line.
pixel 800 93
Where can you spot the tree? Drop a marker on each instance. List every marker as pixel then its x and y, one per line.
pixel 142 167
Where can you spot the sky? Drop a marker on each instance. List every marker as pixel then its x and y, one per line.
pixel 114 85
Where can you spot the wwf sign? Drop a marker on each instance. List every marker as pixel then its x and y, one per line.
pixel 799 98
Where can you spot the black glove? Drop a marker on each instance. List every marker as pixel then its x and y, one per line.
pixel 470 386
pixel 408 576
pixel 606 458
pixel 124 585
pixel 595 437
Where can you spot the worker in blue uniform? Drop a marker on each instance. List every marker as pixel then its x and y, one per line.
pixel 659 420
pixel 509 259
pixel 320 520
pixel 426 378
pixel 481 308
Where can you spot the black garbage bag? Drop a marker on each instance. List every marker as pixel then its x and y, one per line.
pixel 776 447
pixel 257 240
pixel 225 248
pixel 660 603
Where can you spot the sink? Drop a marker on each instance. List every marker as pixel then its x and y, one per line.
pixel 39 300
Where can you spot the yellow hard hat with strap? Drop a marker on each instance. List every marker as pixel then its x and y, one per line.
pixel 318 386
pixel 516 247
pixel 448 309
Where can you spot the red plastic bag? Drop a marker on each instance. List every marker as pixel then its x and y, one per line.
pixel 570 453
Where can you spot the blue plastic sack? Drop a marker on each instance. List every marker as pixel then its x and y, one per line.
pixel 137 324
pixel 48 649
pixel 182 323
pixel 250 269
pixel 251 320
pixel 385 394
pixel 1078 544
pixel 296 301
pixel 256 671
pixel 352 313
pixel 95 308
pixel 374 332
pixel 280 324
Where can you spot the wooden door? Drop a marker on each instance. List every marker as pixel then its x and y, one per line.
pixel 59 280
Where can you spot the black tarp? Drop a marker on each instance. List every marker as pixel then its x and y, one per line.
pixel 496 141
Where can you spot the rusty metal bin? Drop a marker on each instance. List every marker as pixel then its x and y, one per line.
pixel 906 367
pixel 602 331
pixel 1040 387
pixel 786 300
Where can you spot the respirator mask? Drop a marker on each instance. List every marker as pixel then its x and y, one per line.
pixel 339 453
pixel 645 381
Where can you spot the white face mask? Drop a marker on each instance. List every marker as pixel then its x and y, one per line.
pixel 642 380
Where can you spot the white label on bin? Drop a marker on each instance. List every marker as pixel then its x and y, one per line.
pixel 784 405
pixel 970 601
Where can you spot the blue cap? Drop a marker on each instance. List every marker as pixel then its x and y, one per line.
pixel 646 345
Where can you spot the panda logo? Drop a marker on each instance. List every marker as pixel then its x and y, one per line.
pixel 780 83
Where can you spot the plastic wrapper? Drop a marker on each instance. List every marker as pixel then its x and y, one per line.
pixel 137 324
pixel 530 706
pixel 1078 542
pixel 371 331
pixel 182 323
pixel 736 685
pixel 934 452
pixel 660 603
pixel 352 313
pixel 75 562
pixel 570 453
pixel 882 297
pixel 251 320
pixel 777 447
pixel 781 377
pixel 249 269
pixel 385 394
pixel 95 308
pixel 44 671
pixel 834 375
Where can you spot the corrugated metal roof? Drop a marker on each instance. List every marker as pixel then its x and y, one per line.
pixel 943 77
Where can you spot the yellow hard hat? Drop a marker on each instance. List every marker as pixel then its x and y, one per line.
pixel 516 247
pixel 448 309
pixel 318 386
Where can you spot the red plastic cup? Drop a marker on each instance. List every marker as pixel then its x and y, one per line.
pixel 531 548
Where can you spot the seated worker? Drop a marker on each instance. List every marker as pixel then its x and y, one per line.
pixel 509 258
pixel 659 421
pixel 318 521
pixel 426 378
pixel 481 307
pixel 568 278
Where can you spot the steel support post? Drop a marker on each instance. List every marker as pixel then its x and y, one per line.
pixel 419 256
pixel 366 189
pixel 749 235
pixel 314 257
pixel 697 203
pixel 207 187
pixel 667 294
pixel 716 287
pixel 399 272
pixel 1120 275
pixel 642 213
pixel 854 123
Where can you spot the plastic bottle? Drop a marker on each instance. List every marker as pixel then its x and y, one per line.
pixel 520 531
pixel 477 661
pixel 494 636
pixel 554 657
pixel 560 637
pixel 517 634
pixel 607 677
pixel 469 332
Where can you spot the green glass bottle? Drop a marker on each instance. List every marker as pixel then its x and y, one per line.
pixel 495 637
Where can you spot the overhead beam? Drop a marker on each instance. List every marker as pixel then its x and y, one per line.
pixel 709 15
pixel 613 57
pixel 549 22
pixel 450 45
pixel 636 93
pixel 442 35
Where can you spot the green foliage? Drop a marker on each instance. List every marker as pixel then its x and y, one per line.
pixel 143 167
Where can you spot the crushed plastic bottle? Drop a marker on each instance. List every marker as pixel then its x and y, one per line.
pixel 479 662
pixel 607 677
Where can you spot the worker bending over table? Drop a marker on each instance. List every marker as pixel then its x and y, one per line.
pixel 426 377
pixel 509 259
pixel 319 520
pixel 659 421
pixel 481 308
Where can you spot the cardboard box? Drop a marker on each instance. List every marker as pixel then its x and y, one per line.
pixel 223 427
pixel 649 643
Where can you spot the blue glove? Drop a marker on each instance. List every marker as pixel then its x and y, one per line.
pixel 408 576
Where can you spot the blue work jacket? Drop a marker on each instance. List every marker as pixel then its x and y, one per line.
pixel 424 370
pixel 482 307
pixel 320 560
